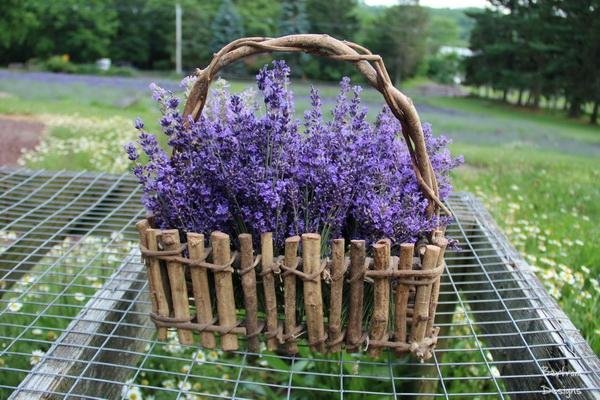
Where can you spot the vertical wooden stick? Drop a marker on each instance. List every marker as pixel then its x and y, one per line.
pixel 335 299
pixel 249 288
pixel 289 288
pixel 380 318
pixel 355 313
pixel 313 300
pixel 435 289
pixel 402 292
pixel 195 242
pixel 160 305
pixel 423 296
pixel 179 293
pixel 266 252
pixel 224 289
pixel 161 280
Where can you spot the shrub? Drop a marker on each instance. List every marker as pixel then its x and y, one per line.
pixel 59 64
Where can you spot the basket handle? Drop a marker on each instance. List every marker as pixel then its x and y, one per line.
pixel 370 65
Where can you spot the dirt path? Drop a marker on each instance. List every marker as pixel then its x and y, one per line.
pixel 16 133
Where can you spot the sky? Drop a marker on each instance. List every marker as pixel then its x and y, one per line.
pixel 434 3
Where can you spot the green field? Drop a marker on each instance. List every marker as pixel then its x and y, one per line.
pixel 537 173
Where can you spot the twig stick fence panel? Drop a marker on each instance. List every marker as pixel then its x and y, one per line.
pixel 404 292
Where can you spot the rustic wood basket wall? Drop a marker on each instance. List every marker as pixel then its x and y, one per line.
pixel 288 298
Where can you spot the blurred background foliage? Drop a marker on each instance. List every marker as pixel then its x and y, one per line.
pixel 140 33
pixel 529 53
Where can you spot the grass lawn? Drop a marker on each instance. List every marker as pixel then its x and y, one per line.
pixel 537 173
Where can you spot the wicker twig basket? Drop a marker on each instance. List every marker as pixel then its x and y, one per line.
pixel 333 310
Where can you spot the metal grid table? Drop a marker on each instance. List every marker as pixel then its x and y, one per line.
pixel 72 286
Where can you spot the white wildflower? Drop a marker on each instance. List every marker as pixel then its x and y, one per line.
pixel 214 355
pixel 134 393
pixel 173 348
pixel 542 248
pixel 199 357
pixel 495 372
pixel 36 357
pixel 184 386
pixel 263 363
pixel 79 296
pixel 15 306
pixel 27 280
pixel 595 284
pixel 585 269
pixel 168 384
pixel 355 367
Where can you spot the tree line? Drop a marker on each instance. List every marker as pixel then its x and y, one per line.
pixel 141 32
pixel 539 53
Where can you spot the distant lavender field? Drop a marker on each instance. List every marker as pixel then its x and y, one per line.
pixel 473 127
pixel 112 82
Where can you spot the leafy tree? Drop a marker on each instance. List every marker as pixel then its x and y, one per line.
pixel 443 68
pixel 293 18
pixel 259 17
pixel 336 18
pixel 402 43
pixel 458 16
pixel 580 52
pixel 443 31
pixel 196 32
pixel 333 17
pixel 17 19
pixel 131 43
pixel 546 48
pixel 37 28
pixel 226 26
pixel 83 30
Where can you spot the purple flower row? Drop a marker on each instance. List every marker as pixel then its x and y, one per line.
pixel 240 170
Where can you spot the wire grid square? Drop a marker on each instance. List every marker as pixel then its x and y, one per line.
pixel 68 245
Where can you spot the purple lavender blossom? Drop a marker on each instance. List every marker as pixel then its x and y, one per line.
pixel 239 170
pixel 138 124
pixel 131 151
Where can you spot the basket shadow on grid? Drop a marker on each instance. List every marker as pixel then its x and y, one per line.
pixel 74 316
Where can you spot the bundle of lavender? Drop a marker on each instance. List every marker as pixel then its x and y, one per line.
pixel 256 174
pixel 240 170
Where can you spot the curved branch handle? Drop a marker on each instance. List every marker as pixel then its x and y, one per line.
pixel 370 65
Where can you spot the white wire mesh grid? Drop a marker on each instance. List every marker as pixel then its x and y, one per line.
pixel 68 256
